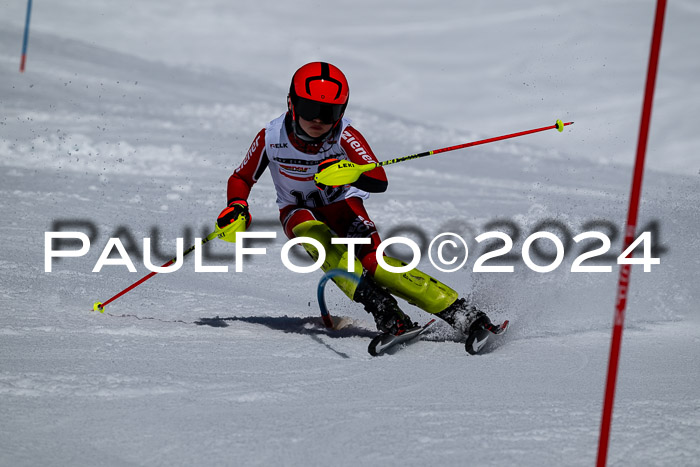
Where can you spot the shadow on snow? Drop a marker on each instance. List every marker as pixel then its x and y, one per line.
pixel 289 324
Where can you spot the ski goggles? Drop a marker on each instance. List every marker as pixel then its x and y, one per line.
pixel 311 110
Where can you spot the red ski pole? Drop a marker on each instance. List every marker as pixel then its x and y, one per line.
pixel 217 233
pixel 559 125
pixel 347 172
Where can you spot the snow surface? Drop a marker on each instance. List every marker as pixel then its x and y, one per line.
pixel 131 116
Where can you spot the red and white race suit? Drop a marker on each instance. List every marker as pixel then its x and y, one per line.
pixel 298 197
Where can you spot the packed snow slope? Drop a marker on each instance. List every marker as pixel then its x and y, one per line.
pixel 451 63
pixel 106 137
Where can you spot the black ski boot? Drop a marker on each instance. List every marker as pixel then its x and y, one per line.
pixel 383 306
pixel 473 323
pixel 481 334
pixel 462 316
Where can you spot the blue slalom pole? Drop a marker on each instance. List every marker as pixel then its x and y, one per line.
pixel 320 293
pixel 26 37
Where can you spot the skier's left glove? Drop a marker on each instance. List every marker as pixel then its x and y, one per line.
pixel 323 166
pixel 236 207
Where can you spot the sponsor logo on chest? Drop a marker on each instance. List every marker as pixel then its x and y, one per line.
pixel 293 168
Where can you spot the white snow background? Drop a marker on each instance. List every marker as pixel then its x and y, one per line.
pixel 132 115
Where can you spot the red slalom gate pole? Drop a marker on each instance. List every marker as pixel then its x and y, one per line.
pixel 624 278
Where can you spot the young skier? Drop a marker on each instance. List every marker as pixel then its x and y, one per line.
pixel 310 137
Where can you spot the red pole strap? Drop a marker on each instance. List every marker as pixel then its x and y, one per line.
pixel 630 230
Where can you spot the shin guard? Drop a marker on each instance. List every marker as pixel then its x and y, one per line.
pixel 336 255
pixel 416 287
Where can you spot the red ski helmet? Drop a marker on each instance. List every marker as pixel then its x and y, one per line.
pixel 318 90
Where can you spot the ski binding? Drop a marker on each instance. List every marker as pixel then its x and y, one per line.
pixel 383 342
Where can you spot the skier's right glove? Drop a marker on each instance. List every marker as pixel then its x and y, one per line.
pixel 323 166
pixel 236 207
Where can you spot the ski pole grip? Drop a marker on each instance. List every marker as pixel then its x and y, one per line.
pixel 342 173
